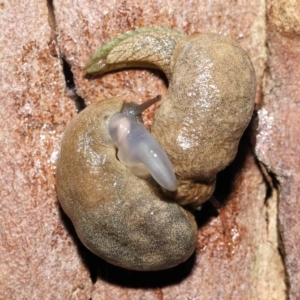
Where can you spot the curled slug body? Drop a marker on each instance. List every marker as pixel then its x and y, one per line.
pixel 137 146
pixel 208 105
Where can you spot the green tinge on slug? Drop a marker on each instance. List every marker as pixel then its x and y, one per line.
pixel 127 55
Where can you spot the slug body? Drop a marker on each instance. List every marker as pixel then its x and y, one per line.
pixel 139 150
pixel 121 217
pixel 208 105
pixel 117 215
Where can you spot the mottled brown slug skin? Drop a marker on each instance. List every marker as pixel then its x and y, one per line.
pixel 145 47
pixel 117 215
pixel 208 105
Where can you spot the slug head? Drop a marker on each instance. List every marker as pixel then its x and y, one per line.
pixel 138 149
pixel 134 110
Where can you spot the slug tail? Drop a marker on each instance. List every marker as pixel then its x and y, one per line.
pixel 145 47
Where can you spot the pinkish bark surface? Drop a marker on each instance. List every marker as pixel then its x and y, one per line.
pixel 37 257
pixel 237 255
pixel 278 139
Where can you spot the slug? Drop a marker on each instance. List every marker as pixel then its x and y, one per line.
pixel 208 105
pixel 138 149
pixel 127 220
pixel 117 215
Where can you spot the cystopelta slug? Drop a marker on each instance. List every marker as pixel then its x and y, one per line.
pixel 125 219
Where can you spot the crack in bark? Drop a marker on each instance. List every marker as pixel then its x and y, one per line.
pixel 69 81
pixel 271 182
pixel 70 85
pixel 51 20
pixel 66 67
pixel 269 177
pixel 273 186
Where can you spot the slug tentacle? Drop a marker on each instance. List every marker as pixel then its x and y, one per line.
pixel 146 47
pixel 134 110
pixel 137 147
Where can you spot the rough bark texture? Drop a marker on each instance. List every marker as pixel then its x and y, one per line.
pixel 37 257
pixel 238 255
pixel 278 138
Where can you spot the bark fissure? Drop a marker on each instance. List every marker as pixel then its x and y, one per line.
pixel 271 202
pixel 69 82
pixel 71 86
pixel 66 67
pixel 272 196
pixel 272 185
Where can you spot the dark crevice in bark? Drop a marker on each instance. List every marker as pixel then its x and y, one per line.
pixel 270 178
pixel 70 91
pixel 273 185
pixel 281 251
pixel 69 77
pixel 71 87
pixel 66 67
pixel 51 20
